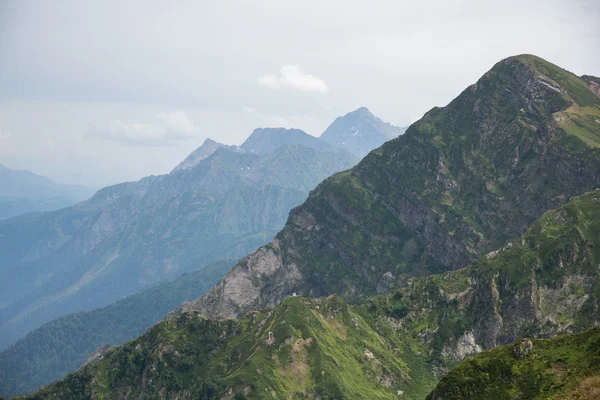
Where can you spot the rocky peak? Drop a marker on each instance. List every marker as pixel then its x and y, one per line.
pixel 206 149
pixel 267 140
pixel 359 132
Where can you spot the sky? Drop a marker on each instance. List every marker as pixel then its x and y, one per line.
pixel 100 92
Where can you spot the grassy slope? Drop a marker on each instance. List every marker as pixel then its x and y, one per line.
pixel 566 367
pixel 322 348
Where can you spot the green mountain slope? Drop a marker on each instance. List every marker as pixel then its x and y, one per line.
pixel 458 184
pixel 567 367
pixel 305 348
pixel 545 283
pixel 62 345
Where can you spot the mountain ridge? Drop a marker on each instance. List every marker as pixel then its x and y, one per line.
pixel 458 184
pixel 23 191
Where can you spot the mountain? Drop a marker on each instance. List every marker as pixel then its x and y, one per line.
pixel 62 345
pixel 265 140
pixel 460 183
pixel 470 183
pixel 23 191
pixel 567 367
pixel 359 132
pixel 208 147
pixel 542 284
pixel 305 348
pixel 134 235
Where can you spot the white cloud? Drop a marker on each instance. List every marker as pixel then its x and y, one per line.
pixel 292 77
pixel 177 121
pixel 267 120
pixel 171 127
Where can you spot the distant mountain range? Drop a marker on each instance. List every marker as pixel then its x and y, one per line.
pixel 220 202
pixel 23 191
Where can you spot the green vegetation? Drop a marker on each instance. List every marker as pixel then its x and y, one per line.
pixel 62 345
pixel 305 348
pixel 566 367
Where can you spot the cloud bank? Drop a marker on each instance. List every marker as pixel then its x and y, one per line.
pixel 292 77
pixel 171 127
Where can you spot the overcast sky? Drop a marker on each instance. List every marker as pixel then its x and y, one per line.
pixel 98 92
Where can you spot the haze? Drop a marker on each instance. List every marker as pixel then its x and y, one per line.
pixel 102 92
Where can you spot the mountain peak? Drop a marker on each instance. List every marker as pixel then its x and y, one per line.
pixel 266 140
pixel 207 148
pixel 361 111
pixel 359 132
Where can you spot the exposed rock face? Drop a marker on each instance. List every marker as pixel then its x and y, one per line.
pixel 394 344
pixel 245 285
pixel 97 355
pixel 522 348
pixel 458 184
pixel 464 347
pixel 594 84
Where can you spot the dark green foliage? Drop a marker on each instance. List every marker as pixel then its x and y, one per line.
pixel 551 369
pixel 61 346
